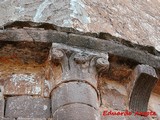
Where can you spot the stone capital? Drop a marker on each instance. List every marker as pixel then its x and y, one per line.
pixel 79 64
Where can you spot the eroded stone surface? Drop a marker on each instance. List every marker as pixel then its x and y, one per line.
pixel 24 84
pixel 27 107
pixel 22 67
pixel 114 96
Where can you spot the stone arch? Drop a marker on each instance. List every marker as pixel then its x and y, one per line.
pixel 143 80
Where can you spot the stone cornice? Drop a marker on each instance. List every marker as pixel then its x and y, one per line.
pixel 44 32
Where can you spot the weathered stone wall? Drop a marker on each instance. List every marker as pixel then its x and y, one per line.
pixel 35 87
pixel 53 74
pixel 134 20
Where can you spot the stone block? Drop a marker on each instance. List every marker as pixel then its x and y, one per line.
pixel 54 36
pixel 23 84
pixel 27 107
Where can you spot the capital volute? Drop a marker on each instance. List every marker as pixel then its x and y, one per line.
pixel 57 55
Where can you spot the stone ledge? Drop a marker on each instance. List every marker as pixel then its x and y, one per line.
pixel 82 41
pixel 101 35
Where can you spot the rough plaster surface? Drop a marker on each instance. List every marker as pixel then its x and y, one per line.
pixel 135 20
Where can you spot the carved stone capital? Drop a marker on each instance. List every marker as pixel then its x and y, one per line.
pixel 79 64
pixel 81 58
pixel 80 69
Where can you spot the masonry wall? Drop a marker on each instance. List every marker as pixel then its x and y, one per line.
pixel 48 74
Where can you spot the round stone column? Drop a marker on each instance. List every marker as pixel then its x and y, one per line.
pixel 75 101
pixel 75 96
